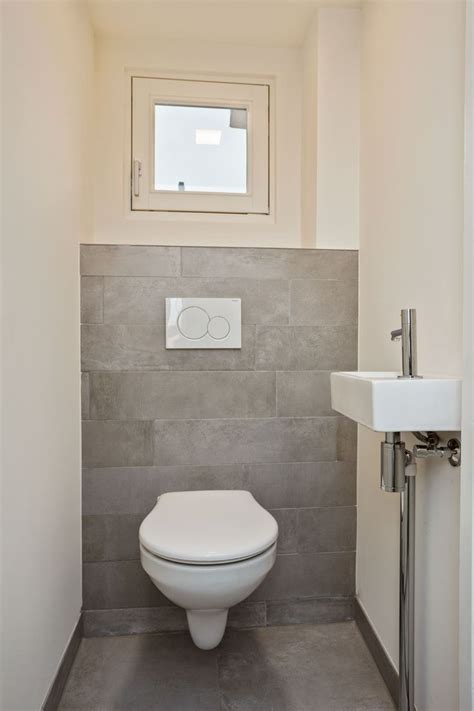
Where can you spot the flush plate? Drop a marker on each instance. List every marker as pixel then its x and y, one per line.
pixel 385 403
pixel 203 323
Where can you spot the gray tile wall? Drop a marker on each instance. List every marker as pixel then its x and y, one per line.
pixel 258 418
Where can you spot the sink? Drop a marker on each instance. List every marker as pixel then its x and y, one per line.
pixel 385 403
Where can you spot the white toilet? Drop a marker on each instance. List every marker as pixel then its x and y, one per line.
pixel 207 551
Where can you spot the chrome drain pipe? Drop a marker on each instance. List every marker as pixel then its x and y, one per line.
pixel 406 630
pixel 397 475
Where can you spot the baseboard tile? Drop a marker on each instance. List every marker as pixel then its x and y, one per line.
pixel 55 693
pixel 381 658
pixel 310 611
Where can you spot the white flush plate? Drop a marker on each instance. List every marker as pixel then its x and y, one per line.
pixel 203 323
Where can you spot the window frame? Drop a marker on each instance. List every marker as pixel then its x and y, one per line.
pixel 255 95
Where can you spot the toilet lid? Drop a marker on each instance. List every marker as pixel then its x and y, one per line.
pixel 206 527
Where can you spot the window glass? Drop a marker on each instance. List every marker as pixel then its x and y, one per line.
pixel 200 149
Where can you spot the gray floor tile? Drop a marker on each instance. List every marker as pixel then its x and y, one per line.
pixel 142 672
pixel 301 668
pixel 292 668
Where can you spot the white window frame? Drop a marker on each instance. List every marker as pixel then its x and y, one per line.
pixel 147 91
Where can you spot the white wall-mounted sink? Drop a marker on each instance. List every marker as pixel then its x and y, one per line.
pixel 385 403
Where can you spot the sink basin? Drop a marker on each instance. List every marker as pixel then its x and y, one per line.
pixel 385 403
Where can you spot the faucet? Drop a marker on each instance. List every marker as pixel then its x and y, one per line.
pixel 408 335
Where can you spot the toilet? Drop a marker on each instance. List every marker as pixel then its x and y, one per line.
pixel 207 551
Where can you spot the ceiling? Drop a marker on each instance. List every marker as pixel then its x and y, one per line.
pixel 261 23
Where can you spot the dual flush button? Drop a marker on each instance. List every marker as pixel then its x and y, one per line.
pixel 203 323
pixel 195 323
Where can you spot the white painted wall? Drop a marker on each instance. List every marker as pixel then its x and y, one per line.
pixel 466 548
pixel 338 128
pixel 47 65
pixel 316 138
pixel 309 163
pixel 113 223
pixel 411 256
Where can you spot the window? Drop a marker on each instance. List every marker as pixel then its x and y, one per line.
pixel 200 146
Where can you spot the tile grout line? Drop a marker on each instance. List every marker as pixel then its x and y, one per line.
pixel 280 554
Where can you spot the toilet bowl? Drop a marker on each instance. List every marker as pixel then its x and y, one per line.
pixel 207 551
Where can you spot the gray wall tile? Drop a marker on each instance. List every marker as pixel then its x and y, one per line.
pixel 154 395
pixel 299 484
pixel 118 490
pixel 346 439
pixel 293 484
pixel 113 347
pixel 168 618
pixel 326 530
pixel 134 620
pixel 110 444
pixel 317 302
pixel 206 419
pixel 311 610
pixel 92 299
pixel 247 614
pixel 269 263
pixel 111 537
pixel 135 490
pixel 127 260
pixel 308 575
pixel 85 402
pixel 286 519
pixel 324 348
pixel 240 441
pixel 119 584
pixel 129 300
pixel 306 347
pixel 304 393
pixel 273 348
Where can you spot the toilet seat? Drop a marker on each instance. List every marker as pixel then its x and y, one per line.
pixel 208 527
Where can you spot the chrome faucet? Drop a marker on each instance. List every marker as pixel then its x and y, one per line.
pixel 408 335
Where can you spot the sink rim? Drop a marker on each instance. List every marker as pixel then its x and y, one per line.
pixel 392 376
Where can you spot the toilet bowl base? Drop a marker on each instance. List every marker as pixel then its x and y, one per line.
pixel 207 627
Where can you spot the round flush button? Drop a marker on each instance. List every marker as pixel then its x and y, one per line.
pixel 193 322
pixel 218 327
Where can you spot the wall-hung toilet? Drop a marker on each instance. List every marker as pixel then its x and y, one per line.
pixel 207 551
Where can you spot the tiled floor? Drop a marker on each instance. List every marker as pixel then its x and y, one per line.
pixel 294 668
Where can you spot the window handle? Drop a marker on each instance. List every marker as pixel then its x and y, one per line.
pixel 137 173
